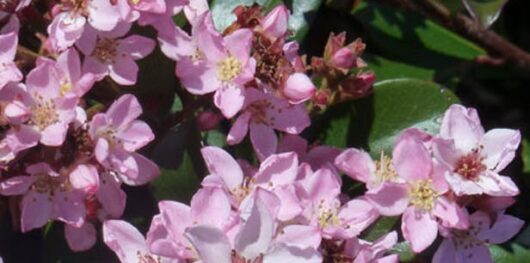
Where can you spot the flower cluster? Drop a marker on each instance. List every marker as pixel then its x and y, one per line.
pixel 64 163
pixel 67 157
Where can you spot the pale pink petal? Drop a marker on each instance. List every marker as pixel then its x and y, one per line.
pixel 290 203
pixel 221 163
pixel 70 64
pixel 136 46
pixel 239 44
pixel 210 206
pixel 229 99
pixel 82 238
pixel 264 140
pixel 499 146
pixel 124 239
pixel 197 77
pixel 147 171
pixel 411 159
pixel 210 42
pixel 111 196
pixel 36 211
pixel 290 254
pixel 124 70
pixel 463 126
pixel 211 244
pixel 450 213
pixel 256 233
pixel 445 152
pixel 239 129
pixel 475 254
pixel 390 199
pixel 291 119
pixel 419 229
pixel 101 150
pixel 96 67
pixel 293 143
pixel 322 185
pixel 54 135
pixel 300 236
pixel 356 216
pixel 85 178
pixel 69 207
pixel 16 185
pixel 277 169
pixel 103 15
pixel 124 110
pixel 356 164
pixel 135 136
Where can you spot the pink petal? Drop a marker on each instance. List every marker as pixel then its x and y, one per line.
pixel 276 22
pixel 411 159
pixel 69 207
pixel 221 163
pixel 300 236
pixel 356 164
pixel 450 213
pixel 504 229
pixel 147 171
pixel 211 206
pixel 110 195
pixel 290 254
pixel 419 229
pixel 16 185
pixel 499 147
pixel 210 42
pixel 211 244
pixel 135 136
pixel 103 15
pixel 356 216
pixel 291 119
pixel 446 253
pixel 445 152
pixel 390 199
pixel 197 77
pixel 70 64
pixel 85 178
pixel 463 126
pixel 36 211
pixel 256 233
pixel 136 46
pixel 124 239
pixel 124 110
pixel 239 129
pixel 82 238
pixel 263 139
pixel 239 44
pixel 278 169
pixel 124 70
pixel 94 66
pixel 229 99
pixel 322 185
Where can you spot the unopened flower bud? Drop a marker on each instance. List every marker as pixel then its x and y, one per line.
pixel 298 88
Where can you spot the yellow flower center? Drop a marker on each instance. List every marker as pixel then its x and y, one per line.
pixel 228 68
pixel 44 113
pixel 384 170
pixel 65 87
pixel 328 214
pixel 422 195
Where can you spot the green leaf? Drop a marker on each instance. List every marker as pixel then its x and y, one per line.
pixel 382 226
pixel 516 254
pixel 374 122
pixel 179 184
pixel 303 13
pixel 404 251
pixel 385 68
pixel 526 156
pixel 414 39
pixel 485 11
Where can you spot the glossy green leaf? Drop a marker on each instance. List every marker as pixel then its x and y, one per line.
pixel 485 11
pixel 303 12
pixel 385 69
pixel 414 39
pixel 526 156
pixel 382 226
pixel 179 184
pixel 374 122
pixel 515 254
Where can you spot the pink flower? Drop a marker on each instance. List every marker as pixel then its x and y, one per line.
pixel 47 195
pixel 474 158
pixel 108 54
pixel 209 207
pixel 9 71
pixel 319 192
pixel 365 252
pixel 471 245
pixel 420 197
pixel 80 238
pixel 128 243
pixel 117 135
pixel 262 114
pixel 69 24
pixel 42 106
pixel 276 24
pixel 254 242
pixel 223 66
pixel 67 69
pixel 276 175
